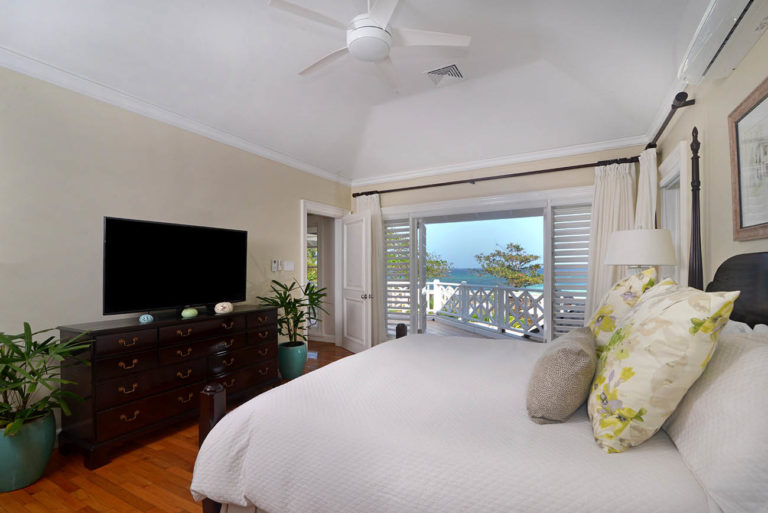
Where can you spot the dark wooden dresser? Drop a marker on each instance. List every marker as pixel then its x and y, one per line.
pixel 143 377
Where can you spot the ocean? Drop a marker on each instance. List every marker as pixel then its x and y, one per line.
pixel 477 277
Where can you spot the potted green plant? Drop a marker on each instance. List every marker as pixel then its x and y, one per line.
pixel 30 389
pixel 298 309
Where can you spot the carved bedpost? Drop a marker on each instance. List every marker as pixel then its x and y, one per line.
pixel 695 268
pixel 213 406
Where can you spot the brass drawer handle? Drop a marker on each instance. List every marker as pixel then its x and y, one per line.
pixel 189 398
pixel 229 344
pixel 228 326
pixel 262 320
pixel 263 351
pixel 125 418
pixel 125 343
pixel 263 334
pixel 184 376
pixel 264 371
pixel 182 334
pixel 125 391
pixel 228 363
pixel 230 383
pixel 185 353
pixel 124 366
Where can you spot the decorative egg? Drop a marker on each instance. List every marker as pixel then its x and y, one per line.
pixel 144 319
pixel 188 313
pixel 224 307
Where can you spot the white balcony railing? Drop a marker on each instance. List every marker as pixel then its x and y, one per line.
pixel 499 309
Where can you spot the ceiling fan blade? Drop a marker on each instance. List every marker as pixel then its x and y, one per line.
pixel 416 37
pixel 382 11
pixel 334 55
pixel 298 10
pixel 388 70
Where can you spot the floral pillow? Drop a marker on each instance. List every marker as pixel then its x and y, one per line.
pixel 617 302
pixel 658 350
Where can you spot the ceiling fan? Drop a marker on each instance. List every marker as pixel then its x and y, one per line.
pixel 369 36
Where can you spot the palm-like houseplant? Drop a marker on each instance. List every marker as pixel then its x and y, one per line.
pixel 30 389
pixel 298 309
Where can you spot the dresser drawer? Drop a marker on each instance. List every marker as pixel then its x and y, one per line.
pixel 179 374
pixel 137 414
pixel 227 362
pixel 199 349
pixel 190 330
pixel 262 318
pixel 266 351
pixel 125 342
pixel 123 389
pixel 248 377
pixel 265 334
pixel 124 365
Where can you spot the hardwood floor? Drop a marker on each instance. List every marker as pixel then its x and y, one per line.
pixel 152 474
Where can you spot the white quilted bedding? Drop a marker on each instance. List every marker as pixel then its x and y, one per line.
pixel 429 424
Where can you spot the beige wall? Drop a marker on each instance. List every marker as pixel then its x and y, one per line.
pixel 563 179
pixel 66 161
pixel 714 101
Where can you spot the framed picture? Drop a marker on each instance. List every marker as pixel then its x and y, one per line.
pixel 748 127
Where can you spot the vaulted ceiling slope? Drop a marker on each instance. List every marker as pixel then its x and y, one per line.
pixel 539 77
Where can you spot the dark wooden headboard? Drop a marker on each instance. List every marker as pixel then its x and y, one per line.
pixel 749 274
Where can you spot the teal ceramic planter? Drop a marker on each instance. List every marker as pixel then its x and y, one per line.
pixel 24 456
pixel 291 358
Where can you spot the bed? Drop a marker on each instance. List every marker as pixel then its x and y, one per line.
pixel 426 424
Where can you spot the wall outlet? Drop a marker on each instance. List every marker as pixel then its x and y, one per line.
pixel 275 264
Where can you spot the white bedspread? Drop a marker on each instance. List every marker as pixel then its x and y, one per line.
pixel 429 424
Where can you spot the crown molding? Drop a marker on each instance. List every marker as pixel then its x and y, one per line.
pixel 48 73
pixel 565 151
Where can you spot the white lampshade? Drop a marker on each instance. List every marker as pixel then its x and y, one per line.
pixel 640 248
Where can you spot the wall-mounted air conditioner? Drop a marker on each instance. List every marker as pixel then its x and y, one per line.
pixel 728 30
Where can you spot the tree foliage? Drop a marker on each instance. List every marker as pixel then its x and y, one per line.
pixel 437 266
pixel 512 264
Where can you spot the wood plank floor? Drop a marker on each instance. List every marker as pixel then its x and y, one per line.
pixel 151 475
pixel 441 328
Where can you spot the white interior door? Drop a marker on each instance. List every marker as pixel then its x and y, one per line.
pixel 356 282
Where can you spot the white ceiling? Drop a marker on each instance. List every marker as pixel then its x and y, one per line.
pixel 542 78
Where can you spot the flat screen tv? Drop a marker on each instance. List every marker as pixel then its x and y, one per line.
pixel 155 266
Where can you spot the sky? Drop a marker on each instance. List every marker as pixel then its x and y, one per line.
pixel 460 242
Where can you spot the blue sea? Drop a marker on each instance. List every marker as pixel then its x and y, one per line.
pixel 476 277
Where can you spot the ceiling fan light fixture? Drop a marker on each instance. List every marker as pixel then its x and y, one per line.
pixel 367 41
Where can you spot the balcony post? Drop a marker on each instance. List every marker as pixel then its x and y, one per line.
pixel 464 297
pixel 498 308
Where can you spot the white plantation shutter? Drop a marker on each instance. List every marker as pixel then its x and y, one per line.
pixel 570 262
pixel 397 243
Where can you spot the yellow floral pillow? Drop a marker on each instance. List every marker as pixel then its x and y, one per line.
pixel 617 302
pixel 657 352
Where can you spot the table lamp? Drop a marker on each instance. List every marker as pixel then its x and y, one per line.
pixel 640 249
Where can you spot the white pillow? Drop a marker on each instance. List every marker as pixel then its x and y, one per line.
pixel 761 328
pixel 736 327
pixel 720 425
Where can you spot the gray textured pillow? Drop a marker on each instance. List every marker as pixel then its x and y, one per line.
pixel 561 378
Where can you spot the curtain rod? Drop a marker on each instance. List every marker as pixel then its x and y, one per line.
pixel 681 100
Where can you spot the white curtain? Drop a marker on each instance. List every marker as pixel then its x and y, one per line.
pixel 372 204
pixel 613 208
pixel 647 186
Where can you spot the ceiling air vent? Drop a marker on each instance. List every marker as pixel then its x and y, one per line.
pixel 452 72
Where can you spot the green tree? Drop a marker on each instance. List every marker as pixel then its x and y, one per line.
pixel 513 264
pixel 312 265
pixel 437 266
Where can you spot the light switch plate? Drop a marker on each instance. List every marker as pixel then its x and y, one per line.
pixel 288 265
